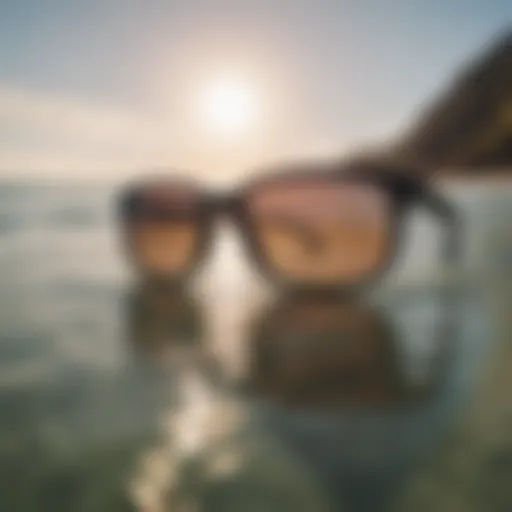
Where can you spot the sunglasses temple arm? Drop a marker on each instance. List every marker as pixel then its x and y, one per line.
pixel 449 217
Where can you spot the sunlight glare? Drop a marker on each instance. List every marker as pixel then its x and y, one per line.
pixel 228 106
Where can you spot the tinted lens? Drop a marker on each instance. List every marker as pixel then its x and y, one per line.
pixel 162 227
pixel 320 231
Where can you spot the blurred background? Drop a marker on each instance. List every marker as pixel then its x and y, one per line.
pixel 230 395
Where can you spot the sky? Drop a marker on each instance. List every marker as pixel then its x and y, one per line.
pixel 106 87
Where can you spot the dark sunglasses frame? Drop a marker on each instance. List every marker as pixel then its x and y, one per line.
pixel 403 186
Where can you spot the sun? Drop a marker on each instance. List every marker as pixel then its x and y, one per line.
pixel 228 105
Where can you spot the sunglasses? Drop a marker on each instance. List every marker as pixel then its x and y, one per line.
pixel 313 225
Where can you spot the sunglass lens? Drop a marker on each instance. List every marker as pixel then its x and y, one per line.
pixel 162 225
pixel 321 231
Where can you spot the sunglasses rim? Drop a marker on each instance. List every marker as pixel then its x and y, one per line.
pixel 400 188
pixel 261 258
pixel 201 224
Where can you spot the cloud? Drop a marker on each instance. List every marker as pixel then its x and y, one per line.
pixel 44 132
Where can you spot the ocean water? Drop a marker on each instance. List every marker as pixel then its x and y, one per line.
pixel 114 398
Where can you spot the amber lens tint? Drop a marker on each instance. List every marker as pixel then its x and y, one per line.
pixel 162 227
pixel 321 231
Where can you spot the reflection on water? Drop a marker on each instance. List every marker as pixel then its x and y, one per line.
pixel 332 353
pixel 207 454
pixel 161 320
pixel 119 400
pixel 343 396
pixel 332 404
